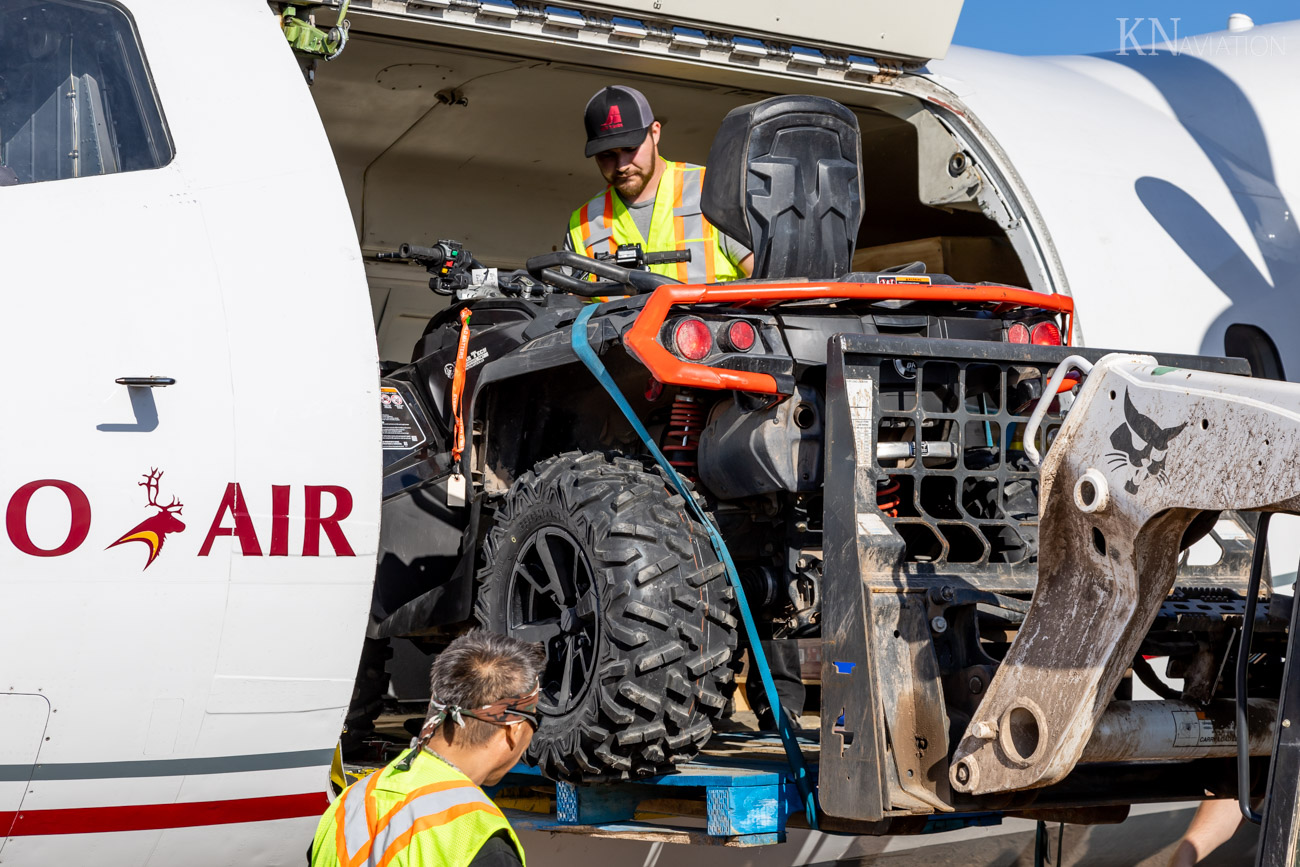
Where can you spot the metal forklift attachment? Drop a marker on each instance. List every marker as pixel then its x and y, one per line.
pixel 1144 450
pixel 1279 842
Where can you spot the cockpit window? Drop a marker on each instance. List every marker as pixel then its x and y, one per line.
pixel 75 94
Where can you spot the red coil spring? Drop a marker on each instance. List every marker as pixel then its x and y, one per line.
pixel 682 438
pixel 887 495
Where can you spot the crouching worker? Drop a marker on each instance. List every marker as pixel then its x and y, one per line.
pixel 427 808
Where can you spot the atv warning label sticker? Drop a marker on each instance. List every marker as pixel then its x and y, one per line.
pixel 401 431
pixel 1192 729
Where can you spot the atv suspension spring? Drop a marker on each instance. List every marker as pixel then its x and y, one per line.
pixel 682 438
pixel 888 496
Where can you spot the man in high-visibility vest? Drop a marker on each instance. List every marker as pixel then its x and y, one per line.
pixel 649 201
pixel 427 808
pixel 656 203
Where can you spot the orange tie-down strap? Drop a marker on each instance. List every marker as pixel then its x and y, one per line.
pixel 642 339
pixel 458 387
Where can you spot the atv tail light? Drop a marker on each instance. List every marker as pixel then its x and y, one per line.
pixel 1018 333
pixel 692 339
pixel 1045 334
pixel 741 336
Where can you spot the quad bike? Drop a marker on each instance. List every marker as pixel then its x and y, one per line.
pixel 866 446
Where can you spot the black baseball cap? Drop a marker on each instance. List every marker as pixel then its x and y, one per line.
pixel 616 117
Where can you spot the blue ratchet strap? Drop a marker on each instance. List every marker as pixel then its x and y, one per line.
pixel 582 346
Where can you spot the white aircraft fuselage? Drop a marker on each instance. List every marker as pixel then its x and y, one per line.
pixel 186 568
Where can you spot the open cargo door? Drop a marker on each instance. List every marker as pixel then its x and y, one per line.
pixel 909 32
pixel 461 119
pixel 824 39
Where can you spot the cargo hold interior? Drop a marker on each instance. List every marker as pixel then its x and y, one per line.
pixel 440 133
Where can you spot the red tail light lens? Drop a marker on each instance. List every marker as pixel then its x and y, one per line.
pixel 1045 334
pixel 741 336
pixel 692 339
pixel 1018 333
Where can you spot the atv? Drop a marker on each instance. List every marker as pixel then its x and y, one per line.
pixel 862 443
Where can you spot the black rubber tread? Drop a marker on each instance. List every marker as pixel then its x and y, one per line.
pixel 368 693
pixel 668 617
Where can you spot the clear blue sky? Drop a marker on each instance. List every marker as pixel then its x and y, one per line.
pixel 1089 26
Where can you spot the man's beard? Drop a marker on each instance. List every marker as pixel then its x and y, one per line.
pixel 631 184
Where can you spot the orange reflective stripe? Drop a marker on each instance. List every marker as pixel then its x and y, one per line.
pixel 377 827
pixel 420 792
pixel 359 857
pixel 679 222
pixel 710 250
pixel 371 811
pixel 586 224
pixel 340 841
pixel 425 822
pixel 609 220
pixel 679 232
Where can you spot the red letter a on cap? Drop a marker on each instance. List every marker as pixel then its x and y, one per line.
pixel 614 120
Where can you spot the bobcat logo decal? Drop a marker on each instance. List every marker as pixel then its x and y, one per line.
pixel 1140 446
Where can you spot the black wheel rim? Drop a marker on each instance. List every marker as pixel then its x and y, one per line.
pixel 553 601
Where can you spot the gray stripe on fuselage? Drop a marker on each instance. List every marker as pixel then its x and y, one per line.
pixel 166 767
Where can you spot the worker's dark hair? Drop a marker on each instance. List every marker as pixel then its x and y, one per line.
pixel 477 669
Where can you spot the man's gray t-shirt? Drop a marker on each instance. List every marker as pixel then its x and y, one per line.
pixel 643 212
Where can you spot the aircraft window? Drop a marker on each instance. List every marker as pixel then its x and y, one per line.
pixel 75 94
pixel 1252 344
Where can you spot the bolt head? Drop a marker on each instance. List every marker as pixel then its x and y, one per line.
pixel 976 684
pixel 939 624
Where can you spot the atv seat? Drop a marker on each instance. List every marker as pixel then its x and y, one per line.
pixel 785 180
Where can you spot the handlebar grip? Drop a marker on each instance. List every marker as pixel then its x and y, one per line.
pixel 413 251
pixel 668 257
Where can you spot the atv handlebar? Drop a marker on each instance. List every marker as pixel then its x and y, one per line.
pixel 668 257
pixel 616 280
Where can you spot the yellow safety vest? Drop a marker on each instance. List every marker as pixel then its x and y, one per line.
pixel 677 223
pixel 429 816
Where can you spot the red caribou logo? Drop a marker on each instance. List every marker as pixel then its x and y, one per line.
pixel 153 530
pixel 614 120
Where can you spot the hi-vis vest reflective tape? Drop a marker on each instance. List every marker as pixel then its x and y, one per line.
pixel 429 815
pixel 677 223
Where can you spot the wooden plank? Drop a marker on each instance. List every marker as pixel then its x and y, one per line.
pixel 642 831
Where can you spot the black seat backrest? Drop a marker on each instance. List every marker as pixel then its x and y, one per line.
pixel 784 178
